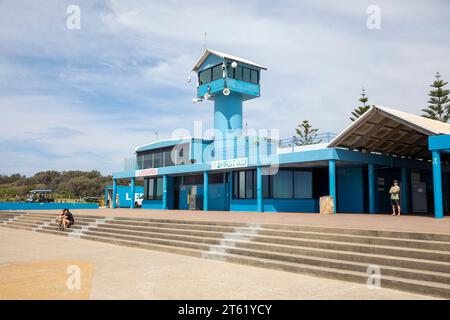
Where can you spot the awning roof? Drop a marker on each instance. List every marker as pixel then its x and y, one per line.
pixel 225 56
pixel 390 132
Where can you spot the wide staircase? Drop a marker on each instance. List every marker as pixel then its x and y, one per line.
pixel 408 261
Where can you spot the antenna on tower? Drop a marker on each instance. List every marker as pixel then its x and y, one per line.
pixel 204 41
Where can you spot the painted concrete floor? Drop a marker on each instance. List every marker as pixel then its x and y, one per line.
pixel 115 272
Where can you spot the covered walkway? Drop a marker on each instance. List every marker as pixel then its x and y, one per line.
pixel 401 135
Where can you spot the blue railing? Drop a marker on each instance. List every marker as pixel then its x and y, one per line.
pixel 325 137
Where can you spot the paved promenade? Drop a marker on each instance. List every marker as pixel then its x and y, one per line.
pixel 40 266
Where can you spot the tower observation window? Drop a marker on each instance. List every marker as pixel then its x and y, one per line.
pixel 239 73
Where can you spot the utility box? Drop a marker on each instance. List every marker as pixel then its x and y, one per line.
pixel 326 205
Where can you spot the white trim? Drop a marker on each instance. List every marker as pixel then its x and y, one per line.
pixel 224 56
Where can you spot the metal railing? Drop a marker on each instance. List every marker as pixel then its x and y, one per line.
pixel 325 137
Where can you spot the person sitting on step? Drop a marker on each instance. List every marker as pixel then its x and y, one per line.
pixel 65 219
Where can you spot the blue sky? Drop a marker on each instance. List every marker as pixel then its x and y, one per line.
pixel 84 99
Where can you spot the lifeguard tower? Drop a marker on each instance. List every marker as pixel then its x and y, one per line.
pixel 228 81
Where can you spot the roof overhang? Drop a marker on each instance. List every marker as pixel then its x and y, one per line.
pixel 224 56
pixel 390 132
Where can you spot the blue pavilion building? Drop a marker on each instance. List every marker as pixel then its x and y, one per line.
pixel 233 171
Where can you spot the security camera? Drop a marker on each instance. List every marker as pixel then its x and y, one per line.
pixel 234 64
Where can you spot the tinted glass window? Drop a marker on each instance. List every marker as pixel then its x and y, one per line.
pixel 302 184
pixel 282 185
pixel 159 188
pixel 242 184
pixel 230 71
pixel 265 186
pixel 205 76
pixel 148 161
pixel 246 74
pixel 238 73
pixel 217 72
pixel 249 183
pixel 254 76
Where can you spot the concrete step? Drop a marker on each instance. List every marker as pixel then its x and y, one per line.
pixel 416 286
pixel 208 225
pixel 155 240
pixel 24 224
pixel 362 232
pixel 286 237
pixel 53 217
pixel 17 227
pixel 423 275
pixel 290 250
pixel 286 243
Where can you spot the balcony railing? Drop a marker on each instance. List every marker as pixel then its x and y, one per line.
pixel 325 137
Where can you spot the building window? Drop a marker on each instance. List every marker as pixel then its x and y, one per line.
pixel 153 188
pixel 302 184
pixel 217 72
pixel 244 184
pixel 254 76
pixel 204 76
pixel 282 185
pixel 238 73
pixel 246 74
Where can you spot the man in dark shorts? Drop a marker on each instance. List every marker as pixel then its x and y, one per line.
pixel 395 198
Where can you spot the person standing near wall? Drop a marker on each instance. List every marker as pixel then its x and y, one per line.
pixel 395 198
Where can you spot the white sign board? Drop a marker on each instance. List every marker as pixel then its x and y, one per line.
pixel 229 164
pixel 146 172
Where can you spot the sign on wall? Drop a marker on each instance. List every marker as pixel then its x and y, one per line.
pixel 146 172
pixel 229 164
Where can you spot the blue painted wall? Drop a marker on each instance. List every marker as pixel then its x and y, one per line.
pixel 124 193
pixel 45 206
pixel 350 190
pixel 291 205
pixel 152 204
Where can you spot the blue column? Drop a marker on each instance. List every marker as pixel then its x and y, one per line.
pixel 437 184
pixel 164 195
pixel 371 180
pixel 114 193
pixel 230 188
pixel 404 191
pixel 332 181
pixel 133 180
pixel 205 191
pixel 259 189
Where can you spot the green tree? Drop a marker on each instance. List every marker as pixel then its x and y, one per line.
pixel 305 134
pixel 358 112
pixel 439 108
pixel 83 187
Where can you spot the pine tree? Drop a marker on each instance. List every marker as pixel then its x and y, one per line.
pixel 305 134
pixel 358 112
pixel 439 108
